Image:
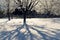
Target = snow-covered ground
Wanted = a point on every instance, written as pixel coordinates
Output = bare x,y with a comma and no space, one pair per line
36,29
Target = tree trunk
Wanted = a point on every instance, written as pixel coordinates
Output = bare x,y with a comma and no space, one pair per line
24,21
8,15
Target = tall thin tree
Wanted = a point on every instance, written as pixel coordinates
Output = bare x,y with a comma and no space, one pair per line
8,8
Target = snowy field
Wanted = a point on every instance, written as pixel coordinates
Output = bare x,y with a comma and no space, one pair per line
36,29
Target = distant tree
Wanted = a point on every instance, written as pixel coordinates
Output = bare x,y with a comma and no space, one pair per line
8,9
50,7
26,6
1,12
47,6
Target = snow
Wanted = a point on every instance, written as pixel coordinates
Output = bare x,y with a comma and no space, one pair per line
36,29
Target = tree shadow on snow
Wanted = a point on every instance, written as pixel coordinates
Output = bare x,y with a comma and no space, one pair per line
28,35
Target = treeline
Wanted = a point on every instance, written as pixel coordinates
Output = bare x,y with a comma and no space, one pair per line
32,14
28,9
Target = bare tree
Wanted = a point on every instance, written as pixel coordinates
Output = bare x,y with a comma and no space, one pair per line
8,9
26,6
47,6
50,6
